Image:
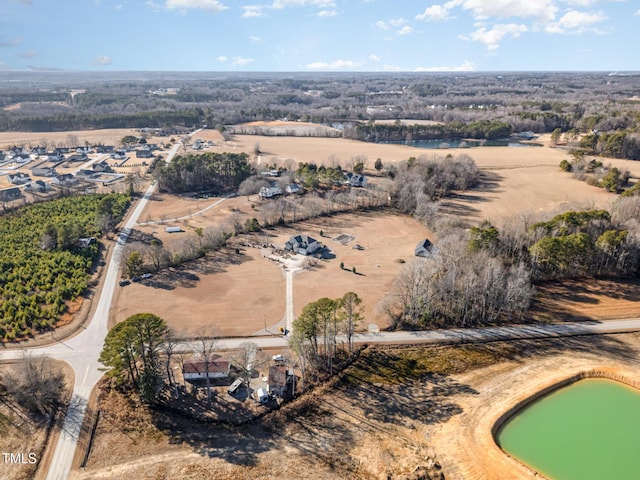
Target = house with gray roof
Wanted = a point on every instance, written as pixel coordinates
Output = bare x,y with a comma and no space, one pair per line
302,244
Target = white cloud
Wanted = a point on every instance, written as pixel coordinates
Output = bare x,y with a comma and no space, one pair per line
492,38
102,61
381,25
374,58
4,67
435,13
406,30
209,5
119,7
240,61
255,40
251,11
574,22
465,67
29,54
280,4
337,65
637,14
397,22
581,3
222,58
544,10
327,13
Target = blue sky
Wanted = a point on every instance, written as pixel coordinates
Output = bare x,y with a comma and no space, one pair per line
320,35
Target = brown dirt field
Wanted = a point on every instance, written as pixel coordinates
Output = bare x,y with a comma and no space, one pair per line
385,237
107,136
586,299
232,294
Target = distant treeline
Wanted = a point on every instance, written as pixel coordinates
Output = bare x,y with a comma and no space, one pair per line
216,172
63,122
377,132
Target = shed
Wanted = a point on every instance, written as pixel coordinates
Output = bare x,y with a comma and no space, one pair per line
424,248
172,229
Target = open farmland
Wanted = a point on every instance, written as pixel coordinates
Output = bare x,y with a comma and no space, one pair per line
386,238
230,293
516,179
237,293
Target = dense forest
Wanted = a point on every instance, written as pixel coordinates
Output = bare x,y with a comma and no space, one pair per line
604,107
42,264
212,172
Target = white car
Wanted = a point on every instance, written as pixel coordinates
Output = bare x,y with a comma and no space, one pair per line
279,358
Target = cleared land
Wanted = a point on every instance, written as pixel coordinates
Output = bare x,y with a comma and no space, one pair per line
230,294
237,293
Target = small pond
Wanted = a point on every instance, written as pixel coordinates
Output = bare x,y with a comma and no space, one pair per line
587,430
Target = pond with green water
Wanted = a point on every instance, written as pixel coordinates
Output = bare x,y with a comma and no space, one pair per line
587,430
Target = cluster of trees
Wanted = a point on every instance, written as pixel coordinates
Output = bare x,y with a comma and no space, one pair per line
595,173
315,332
399,132
36,385
459,286
131,351
141,258
421,181
205,172
41,265
485,275
583,243
616,144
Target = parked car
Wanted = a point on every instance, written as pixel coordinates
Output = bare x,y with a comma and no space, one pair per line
124,282
144,276
279,358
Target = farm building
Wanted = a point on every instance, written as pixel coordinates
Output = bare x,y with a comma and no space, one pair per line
424,248
172,229
302,244
198,370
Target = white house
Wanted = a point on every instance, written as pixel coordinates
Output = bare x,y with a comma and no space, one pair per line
269,192
355,180
198,370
